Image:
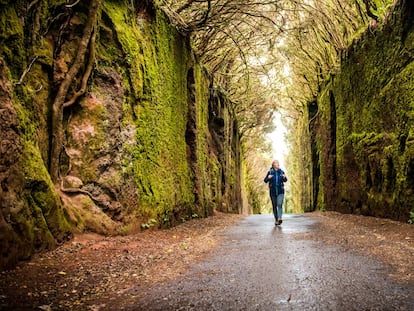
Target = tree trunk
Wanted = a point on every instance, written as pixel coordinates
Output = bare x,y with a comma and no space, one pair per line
59,102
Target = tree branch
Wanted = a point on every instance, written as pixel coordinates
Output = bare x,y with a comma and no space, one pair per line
26,71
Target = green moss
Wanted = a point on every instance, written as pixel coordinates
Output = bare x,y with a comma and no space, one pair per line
11,40
156,58
10,24
130,38
40,218
366,126
42,193
380,7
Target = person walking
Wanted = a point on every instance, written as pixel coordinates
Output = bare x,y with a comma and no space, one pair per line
276,178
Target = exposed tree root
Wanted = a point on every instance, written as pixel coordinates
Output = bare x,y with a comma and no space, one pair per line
78,191
88,39
87,73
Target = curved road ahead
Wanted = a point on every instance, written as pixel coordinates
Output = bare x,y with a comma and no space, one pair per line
263,267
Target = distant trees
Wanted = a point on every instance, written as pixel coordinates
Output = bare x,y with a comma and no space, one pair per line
318,33
272,54
241,41
233,38
247,45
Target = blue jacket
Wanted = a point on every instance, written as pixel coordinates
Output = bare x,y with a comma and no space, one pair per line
276,183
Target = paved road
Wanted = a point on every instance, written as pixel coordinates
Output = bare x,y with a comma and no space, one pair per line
263,267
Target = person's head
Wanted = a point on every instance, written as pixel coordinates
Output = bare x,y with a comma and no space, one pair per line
275,164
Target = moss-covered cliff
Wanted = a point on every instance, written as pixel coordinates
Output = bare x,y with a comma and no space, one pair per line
151,142
362,124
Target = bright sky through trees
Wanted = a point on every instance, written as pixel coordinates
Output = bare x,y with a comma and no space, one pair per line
277,138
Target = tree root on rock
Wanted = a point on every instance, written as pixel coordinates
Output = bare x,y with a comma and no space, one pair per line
78,191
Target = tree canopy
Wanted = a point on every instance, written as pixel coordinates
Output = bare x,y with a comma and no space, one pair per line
270,55
267,51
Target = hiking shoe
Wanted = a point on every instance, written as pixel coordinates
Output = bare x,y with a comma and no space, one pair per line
276,222
280,221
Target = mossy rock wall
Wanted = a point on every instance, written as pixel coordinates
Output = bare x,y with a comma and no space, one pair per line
150,140
364,130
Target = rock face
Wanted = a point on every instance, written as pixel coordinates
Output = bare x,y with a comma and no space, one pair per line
152,140
362,128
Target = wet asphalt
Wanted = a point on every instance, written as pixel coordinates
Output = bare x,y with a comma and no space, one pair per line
263,267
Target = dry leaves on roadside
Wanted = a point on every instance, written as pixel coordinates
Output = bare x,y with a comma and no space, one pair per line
390,241
91,266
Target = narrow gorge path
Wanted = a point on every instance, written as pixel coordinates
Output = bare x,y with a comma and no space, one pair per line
262,267
315,261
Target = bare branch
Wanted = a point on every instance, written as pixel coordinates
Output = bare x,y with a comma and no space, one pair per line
73,4
26,71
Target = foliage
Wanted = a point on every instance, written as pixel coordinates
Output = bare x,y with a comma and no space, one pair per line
318,38
246,45
411,218
270,55
318,35
232,38
151,222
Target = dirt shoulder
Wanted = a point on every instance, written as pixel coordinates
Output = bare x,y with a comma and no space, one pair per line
91,269
389,241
